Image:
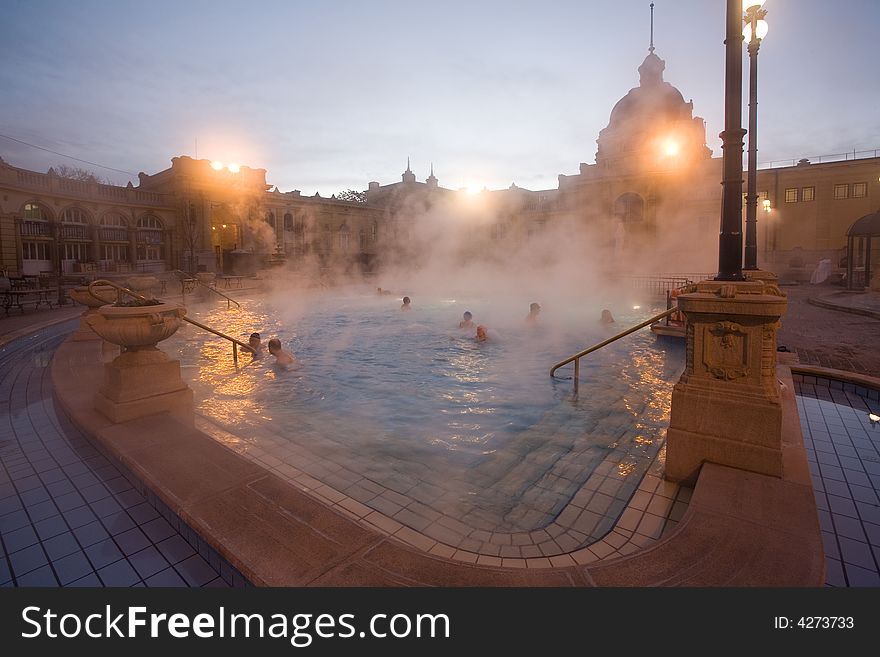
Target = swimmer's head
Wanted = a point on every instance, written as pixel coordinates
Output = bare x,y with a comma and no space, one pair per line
534,308
482,336
467,314
406,301
274,345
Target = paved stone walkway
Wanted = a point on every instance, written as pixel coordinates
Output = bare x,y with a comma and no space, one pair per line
829,338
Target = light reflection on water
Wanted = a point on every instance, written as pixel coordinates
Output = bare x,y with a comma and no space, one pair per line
412,402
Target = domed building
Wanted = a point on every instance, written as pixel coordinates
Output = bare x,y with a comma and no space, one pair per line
654,178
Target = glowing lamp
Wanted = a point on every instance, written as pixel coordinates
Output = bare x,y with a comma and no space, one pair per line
216,165
766,204
752,4
760,30
233,167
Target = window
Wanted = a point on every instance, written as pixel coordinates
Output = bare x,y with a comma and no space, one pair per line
35,250
860,190
629,208
841,191
75,251
150,238
115,252
73,227
114,228
113,219
374,232
288,221
270,218
73,216
808,194
362,240
791,195
344,238
33,211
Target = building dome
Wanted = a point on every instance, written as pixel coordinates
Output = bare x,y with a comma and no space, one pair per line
649,122
652,100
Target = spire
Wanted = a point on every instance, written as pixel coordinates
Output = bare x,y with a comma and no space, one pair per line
432,180
408,176
432,169
651,47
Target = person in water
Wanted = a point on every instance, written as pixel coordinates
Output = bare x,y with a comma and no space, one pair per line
606,318
255,346
468,321
482,334
534,309
406,304
281,357
379,290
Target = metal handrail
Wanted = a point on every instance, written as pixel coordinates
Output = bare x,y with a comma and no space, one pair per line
207,287
576,358
235,343
120,290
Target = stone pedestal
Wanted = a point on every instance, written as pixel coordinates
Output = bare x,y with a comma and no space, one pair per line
760,275
143,382
726,407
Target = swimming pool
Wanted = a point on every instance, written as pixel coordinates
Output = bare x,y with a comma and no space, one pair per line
410,415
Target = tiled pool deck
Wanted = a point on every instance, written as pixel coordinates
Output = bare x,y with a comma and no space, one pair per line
843,449
69,517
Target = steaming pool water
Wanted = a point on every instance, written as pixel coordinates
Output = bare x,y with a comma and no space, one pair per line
410,415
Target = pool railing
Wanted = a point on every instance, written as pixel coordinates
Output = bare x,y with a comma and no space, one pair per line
576,358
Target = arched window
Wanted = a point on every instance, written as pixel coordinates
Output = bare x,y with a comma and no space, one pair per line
35,252
629,208
114,237
344,238
362,240
73,227
34,212
288,221
150,238
74,215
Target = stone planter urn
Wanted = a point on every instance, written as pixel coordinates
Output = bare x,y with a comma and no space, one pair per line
81,295
143,285
142,380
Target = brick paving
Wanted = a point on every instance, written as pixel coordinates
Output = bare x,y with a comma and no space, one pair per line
826,337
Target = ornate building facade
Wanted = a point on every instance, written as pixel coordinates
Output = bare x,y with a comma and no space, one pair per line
650,203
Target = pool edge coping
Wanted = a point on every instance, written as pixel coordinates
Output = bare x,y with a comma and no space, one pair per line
579,567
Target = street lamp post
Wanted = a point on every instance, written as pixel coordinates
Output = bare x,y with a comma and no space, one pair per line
754,31
730,242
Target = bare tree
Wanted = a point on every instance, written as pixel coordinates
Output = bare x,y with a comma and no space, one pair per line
352,195
191,236
77,173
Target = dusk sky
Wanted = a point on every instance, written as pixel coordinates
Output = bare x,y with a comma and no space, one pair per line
330,95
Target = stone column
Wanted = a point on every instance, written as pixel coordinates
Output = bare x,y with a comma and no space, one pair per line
726,408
